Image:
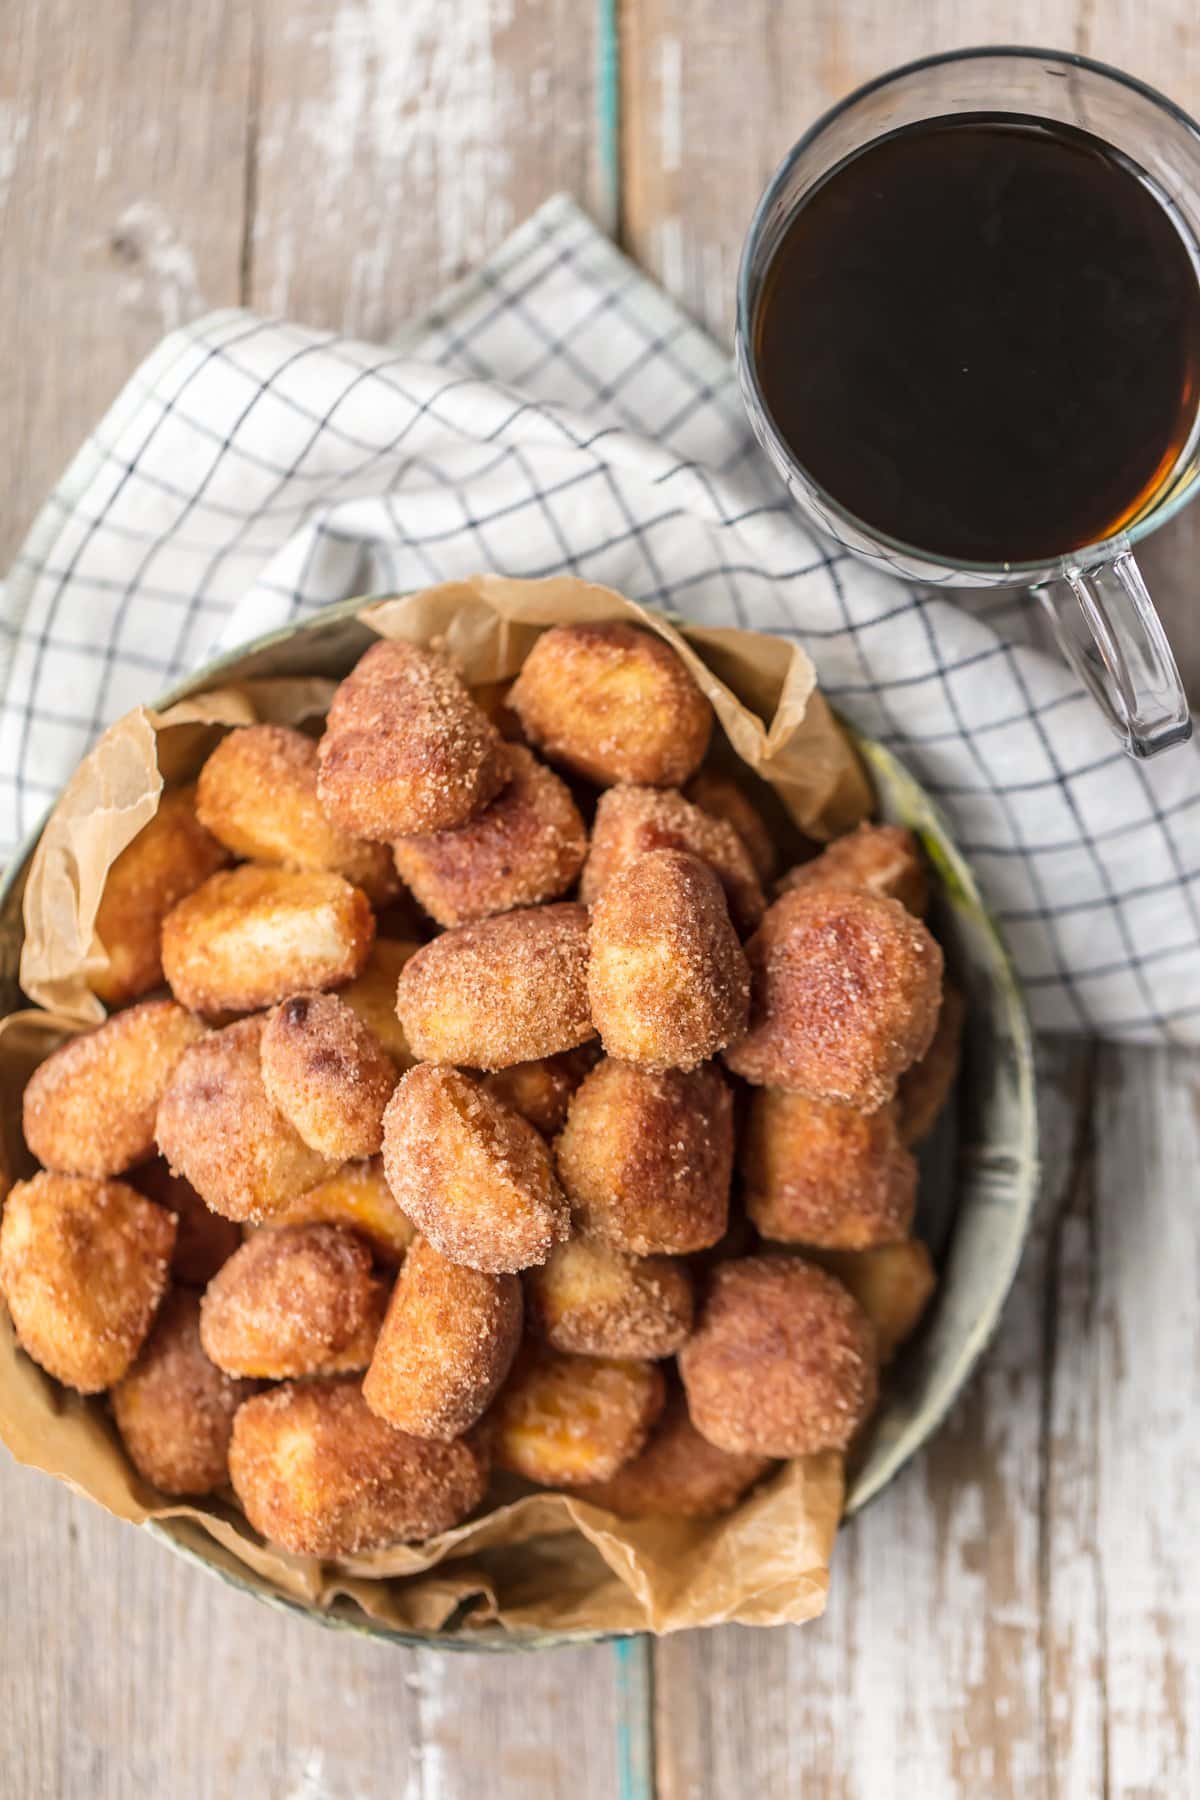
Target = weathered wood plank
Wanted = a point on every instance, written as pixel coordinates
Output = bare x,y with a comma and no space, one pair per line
928,1660
396,146
122,158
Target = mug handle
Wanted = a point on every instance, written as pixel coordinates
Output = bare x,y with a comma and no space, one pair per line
1107,628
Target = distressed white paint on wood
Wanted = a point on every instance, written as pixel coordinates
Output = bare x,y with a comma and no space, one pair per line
397,145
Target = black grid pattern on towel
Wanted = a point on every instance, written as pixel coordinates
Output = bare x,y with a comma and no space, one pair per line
557,412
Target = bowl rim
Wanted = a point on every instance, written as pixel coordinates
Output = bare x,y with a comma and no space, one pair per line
1026,1180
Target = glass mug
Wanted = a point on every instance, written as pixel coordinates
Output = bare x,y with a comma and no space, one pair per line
1095,598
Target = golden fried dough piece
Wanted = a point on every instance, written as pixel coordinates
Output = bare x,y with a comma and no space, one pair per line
632,820
372,995
89,1108
508,990
170,856
893,1285
612,703
816,1172
471,1174
925,1088
724,798
83,1265
527,845
319,1474
541,1090
447,1343
592,1300
491,697
782,1362
203,1239
252,935
358,1197
174,1409
295,1300
645,1158
257,793
328,1075
880,859
668,984
405,748
562,1420
679,1474
846,990
218,1128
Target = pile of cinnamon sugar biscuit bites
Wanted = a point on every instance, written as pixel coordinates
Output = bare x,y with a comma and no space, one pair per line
490,1118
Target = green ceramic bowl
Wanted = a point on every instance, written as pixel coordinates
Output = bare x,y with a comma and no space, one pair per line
979,1171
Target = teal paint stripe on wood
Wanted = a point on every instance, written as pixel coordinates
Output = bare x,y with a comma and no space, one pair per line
634,1669
608,113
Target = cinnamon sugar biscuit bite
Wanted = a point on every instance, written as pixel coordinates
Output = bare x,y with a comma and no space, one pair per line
328,1075
632,820
203,1239
174,1409
218,1127
679,1474
527,845
667,981
892,1284
925,1088
596,1301
89,1108
252,935
846,990
372,995
447,1343
83,1266
562,1420
257,794
358,1197
508,990
472,1175
405,748
294,1300
782,1362
724,798
645,1158
170,856
612,703
816,1172
880,859
541,1090
318,1473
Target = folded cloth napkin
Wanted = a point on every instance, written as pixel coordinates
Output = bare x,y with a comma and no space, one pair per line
557,412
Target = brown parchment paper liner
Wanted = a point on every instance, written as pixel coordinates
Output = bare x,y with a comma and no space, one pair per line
533,1563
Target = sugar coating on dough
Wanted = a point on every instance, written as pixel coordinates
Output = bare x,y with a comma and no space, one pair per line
783,1361
447,1343
257,794
819,1173
561,1420
294,1300
89,1109
668,984
726,799
612,703
83,1266
592,1300
473,1176
508,990
318,1473
679,1474
881,859
632,820
405,747
328,1075
174,1409
527,845
925,1088
846,991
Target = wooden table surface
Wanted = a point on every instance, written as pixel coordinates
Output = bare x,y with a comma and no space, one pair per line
1018,1614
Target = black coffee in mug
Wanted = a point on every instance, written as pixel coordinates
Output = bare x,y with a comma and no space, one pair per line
981,335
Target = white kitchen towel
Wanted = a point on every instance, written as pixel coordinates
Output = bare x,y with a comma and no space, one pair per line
558,412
